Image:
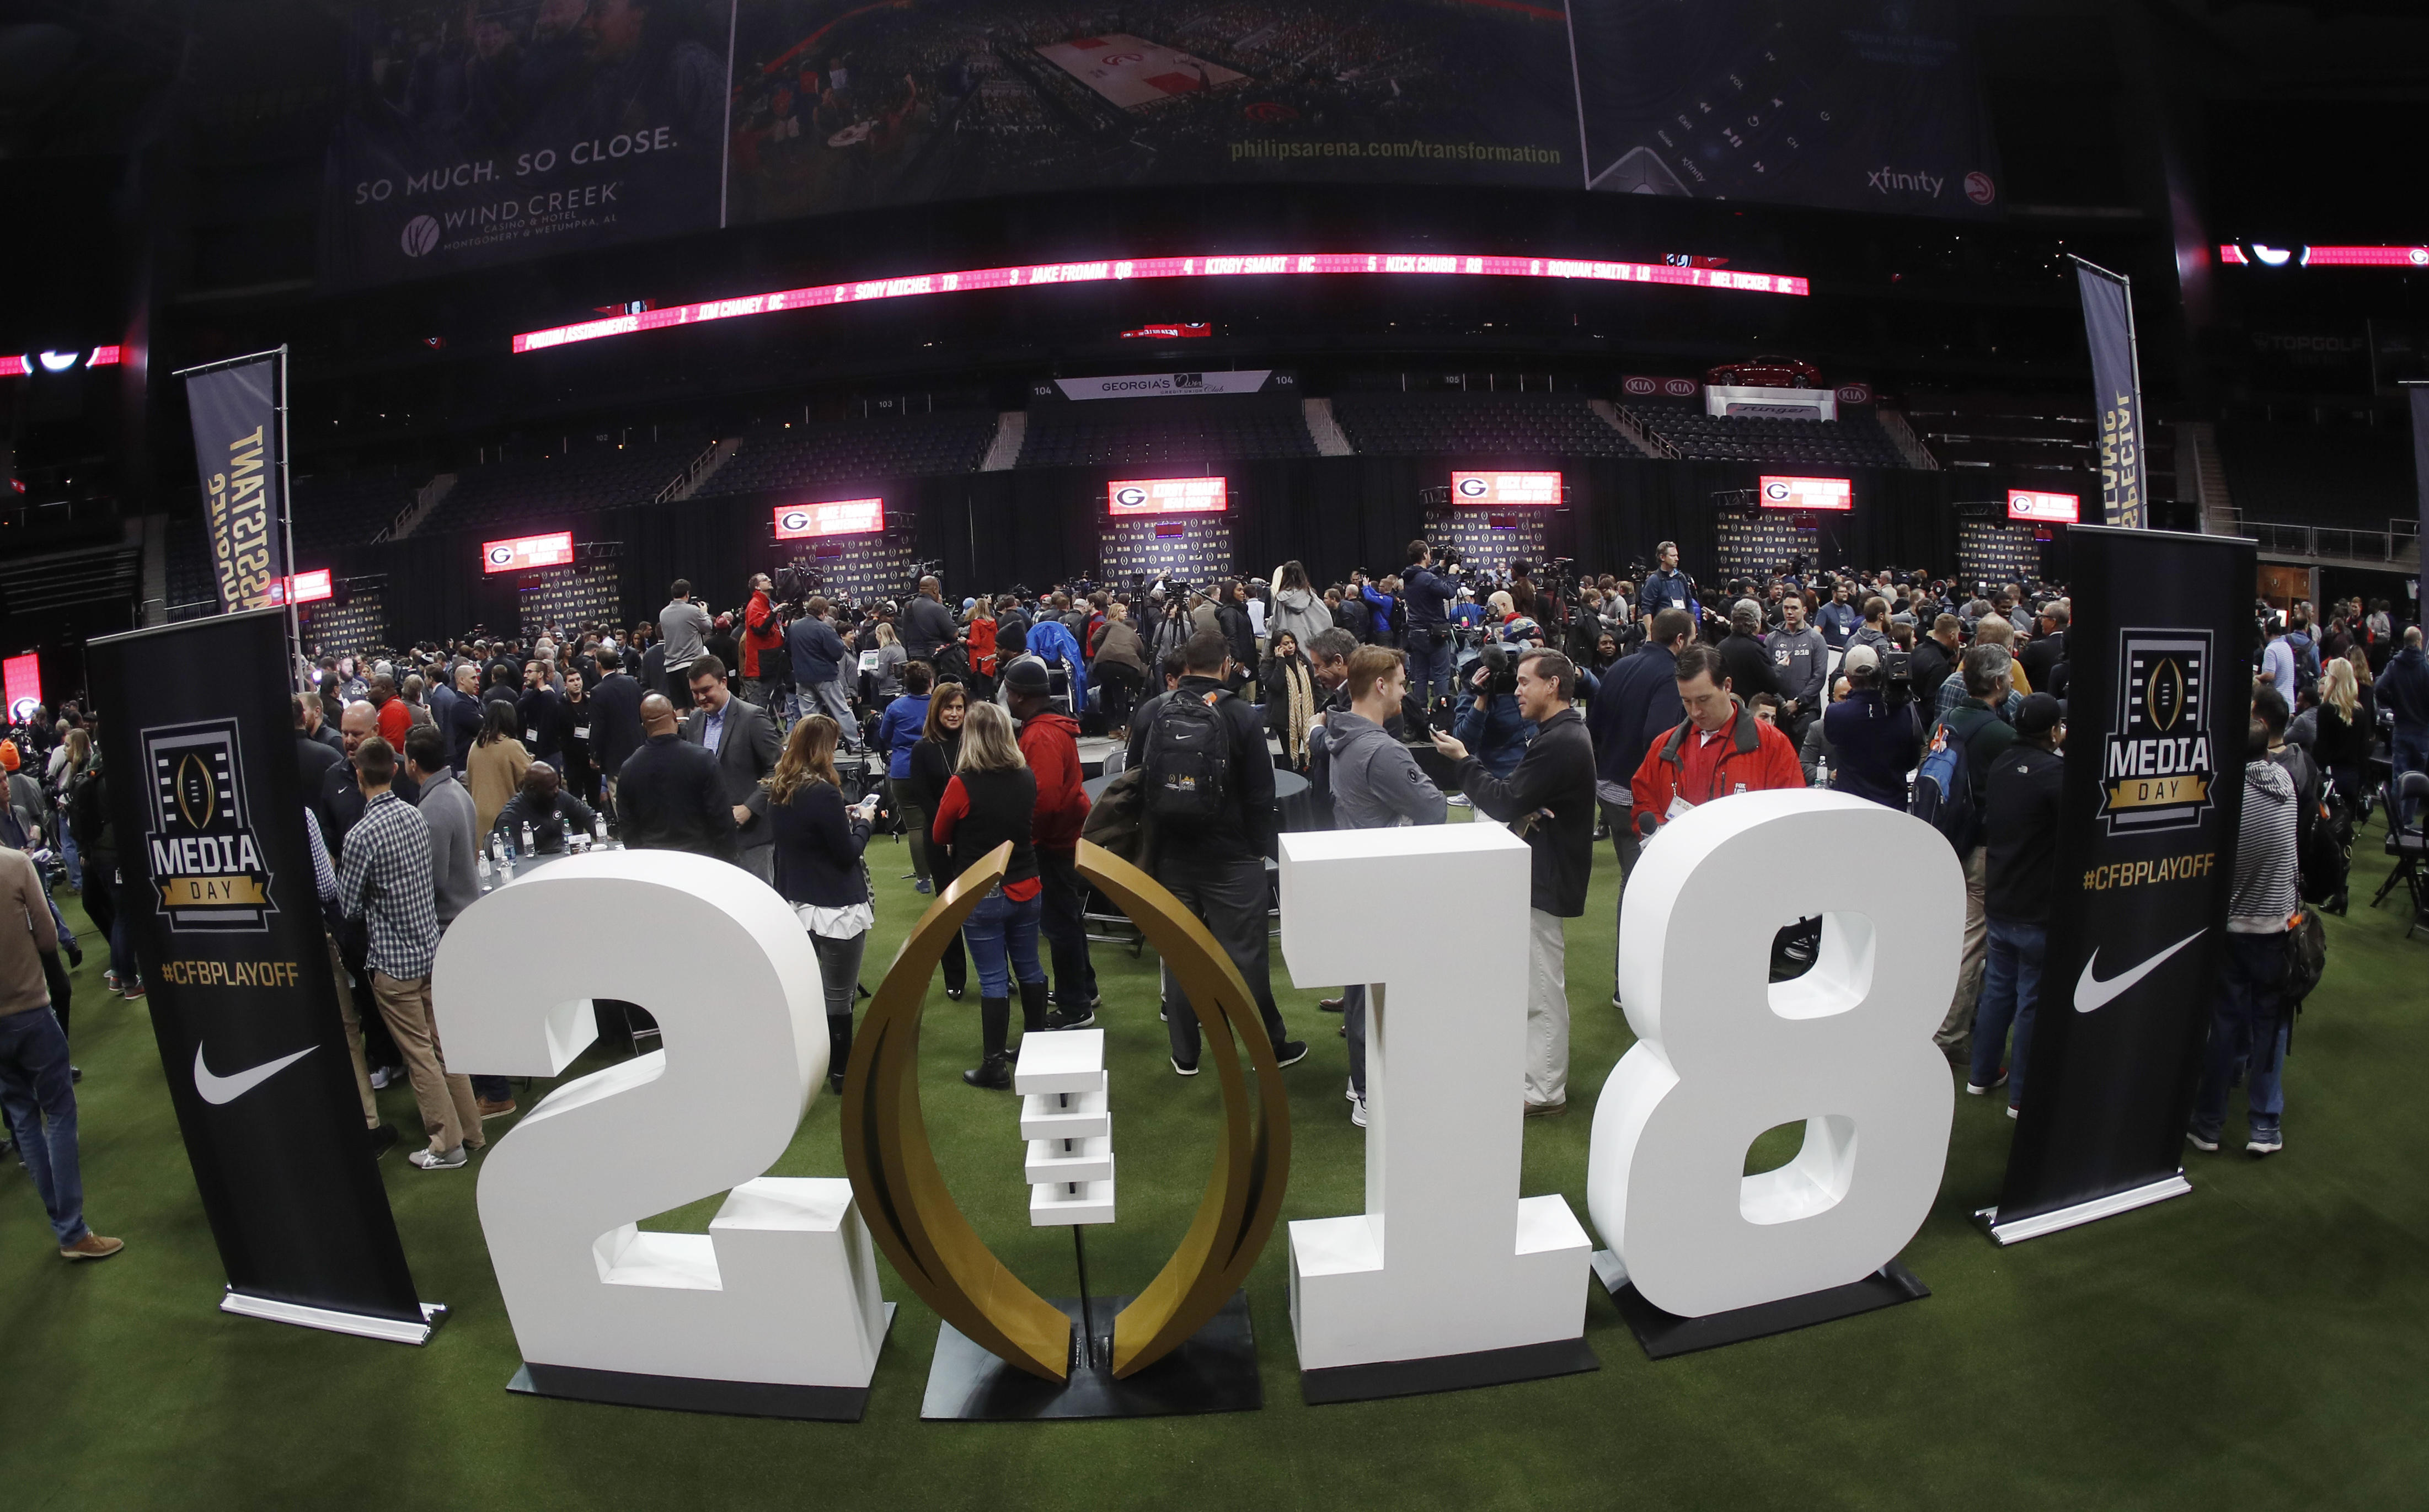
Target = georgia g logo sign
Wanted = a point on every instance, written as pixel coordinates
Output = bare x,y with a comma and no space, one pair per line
1130,496
794,521
1472,487
1775,490
502,553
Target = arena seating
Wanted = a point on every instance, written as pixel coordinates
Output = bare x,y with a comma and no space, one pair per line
516,493
2348,477
191,592
1182,433
1998,430
818,456
331,510
1854,440
1478,424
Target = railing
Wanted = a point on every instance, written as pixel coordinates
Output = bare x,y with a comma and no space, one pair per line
1654,438
2394,544
691,469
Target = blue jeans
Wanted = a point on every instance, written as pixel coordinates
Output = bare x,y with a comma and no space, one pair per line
2248,1025
2012,989
1429,655
76,862
997,928
1353,1023
1065,897
40,1100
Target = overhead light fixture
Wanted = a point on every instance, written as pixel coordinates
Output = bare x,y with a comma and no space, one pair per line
2271,256
58,361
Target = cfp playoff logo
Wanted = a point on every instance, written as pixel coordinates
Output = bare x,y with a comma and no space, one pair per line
204,858
2158,769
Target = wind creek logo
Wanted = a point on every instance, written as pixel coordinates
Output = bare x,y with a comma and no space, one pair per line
1887,180
2158,769
204,859
420,236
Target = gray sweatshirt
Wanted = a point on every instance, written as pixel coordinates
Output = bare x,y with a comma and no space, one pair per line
1375,783
1800,665
683,625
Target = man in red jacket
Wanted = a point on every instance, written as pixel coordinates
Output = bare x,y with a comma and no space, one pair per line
1049,742
1718,749
762,630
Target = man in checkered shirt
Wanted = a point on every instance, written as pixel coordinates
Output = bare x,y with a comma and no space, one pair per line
385,878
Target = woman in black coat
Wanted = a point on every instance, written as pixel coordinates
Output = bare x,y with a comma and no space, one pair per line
819,841
931,768
1286,682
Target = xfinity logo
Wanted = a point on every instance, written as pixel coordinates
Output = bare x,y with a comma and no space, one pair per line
1886,179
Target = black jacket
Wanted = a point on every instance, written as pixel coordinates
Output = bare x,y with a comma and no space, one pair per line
1002,806
1427,597
616,720
1247,829
1638,704
548,821
1747,666
1557,773
926,624
341,802
672,797
314,760
1239,633
2020,828
818,848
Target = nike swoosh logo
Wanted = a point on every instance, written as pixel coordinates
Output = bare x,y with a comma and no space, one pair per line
228,1089
2092,994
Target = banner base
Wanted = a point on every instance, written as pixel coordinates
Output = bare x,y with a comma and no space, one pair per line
1446,1372
683,1394
1213,1370
1664,1334
389,1330
2082,1213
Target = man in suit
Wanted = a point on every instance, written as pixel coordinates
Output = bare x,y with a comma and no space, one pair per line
615,717
2047,649
743,739
314,760
671,795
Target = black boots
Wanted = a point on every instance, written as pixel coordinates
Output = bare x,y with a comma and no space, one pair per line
994,1073
1034,997
838,1050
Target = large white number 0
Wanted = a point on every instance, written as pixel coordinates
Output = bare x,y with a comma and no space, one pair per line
782,1288
1723,1054
1468,1265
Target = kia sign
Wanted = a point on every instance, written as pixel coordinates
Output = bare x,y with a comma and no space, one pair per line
527,551
2024,503
1166,496
840,517
304,587
1807,493
1855,393
1506,488
1639,385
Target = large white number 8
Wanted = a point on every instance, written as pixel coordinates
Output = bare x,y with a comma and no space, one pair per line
782,1288
1723,1054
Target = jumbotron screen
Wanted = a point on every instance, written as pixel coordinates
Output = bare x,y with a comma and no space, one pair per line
836,517
309,587
524,552
1505,488
1166,496
1807,493
2044,508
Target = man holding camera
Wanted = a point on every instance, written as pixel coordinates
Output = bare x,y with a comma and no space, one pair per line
819,663
1874,730
1550,801
1427,596
684,629
763,631
927,623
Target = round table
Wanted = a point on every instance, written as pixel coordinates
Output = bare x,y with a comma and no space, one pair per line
522,866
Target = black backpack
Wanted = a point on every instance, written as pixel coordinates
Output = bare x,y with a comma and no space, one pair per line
1188,761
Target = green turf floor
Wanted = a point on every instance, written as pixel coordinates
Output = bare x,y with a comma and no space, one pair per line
2263,1342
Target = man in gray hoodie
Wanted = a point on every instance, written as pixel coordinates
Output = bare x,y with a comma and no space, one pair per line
1377,784
1800,662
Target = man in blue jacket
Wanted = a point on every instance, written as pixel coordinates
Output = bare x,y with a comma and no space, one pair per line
819,658
1638,704
1429,595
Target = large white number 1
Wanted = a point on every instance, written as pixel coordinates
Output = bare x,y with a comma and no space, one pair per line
782,1288
1447,1258
1723,1054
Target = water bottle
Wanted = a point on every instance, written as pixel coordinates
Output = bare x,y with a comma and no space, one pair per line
1821,771
498,847
599,830
527,838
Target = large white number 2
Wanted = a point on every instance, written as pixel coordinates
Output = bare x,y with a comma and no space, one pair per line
782,1288
1723,1054
1466,1264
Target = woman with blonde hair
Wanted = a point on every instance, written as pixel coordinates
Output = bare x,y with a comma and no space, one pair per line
991,802
819,841
2343,742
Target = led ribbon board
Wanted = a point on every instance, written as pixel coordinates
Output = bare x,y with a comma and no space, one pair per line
838,516
304,587
1807,493
527,551
1115,269
2024,503
1505,488
1166,496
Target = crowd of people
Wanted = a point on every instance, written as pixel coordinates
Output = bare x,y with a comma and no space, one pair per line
781,736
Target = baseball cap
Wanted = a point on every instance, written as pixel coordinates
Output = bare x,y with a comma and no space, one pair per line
1858,658
2039,712
1026,676
1520,627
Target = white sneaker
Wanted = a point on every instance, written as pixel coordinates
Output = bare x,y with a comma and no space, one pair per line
433,1161
1350,1092
1358,1110
381,1077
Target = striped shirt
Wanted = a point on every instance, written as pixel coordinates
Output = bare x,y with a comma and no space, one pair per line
384,875
2265,866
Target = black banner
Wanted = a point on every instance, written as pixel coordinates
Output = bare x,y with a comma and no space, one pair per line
237,447
2421,470
217,885
2116,393
2161,697
471,136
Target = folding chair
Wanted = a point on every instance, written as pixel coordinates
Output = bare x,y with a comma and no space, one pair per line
2407,841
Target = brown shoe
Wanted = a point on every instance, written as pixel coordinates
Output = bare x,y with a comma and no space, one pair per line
1547,1109
497,1110
91,1247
